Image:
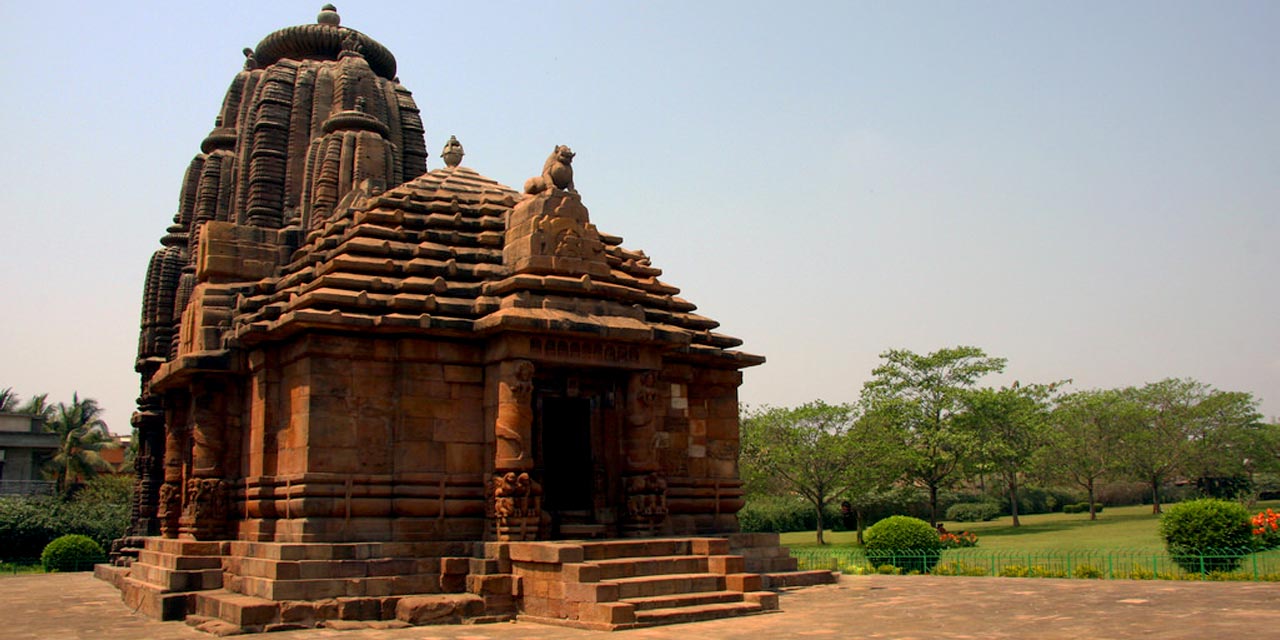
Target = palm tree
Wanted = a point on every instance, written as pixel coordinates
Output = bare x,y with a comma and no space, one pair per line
81,435
8,400
39,405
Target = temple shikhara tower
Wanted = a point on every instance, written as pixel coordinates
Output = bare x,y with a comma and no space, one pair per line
373,391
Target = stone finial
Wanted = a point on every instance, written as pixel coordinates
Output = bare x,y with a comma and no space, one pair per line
329,15
250,63
452,153
557,172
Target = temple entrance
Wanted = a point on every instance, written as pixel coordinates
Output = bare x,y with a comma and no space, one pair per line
575,431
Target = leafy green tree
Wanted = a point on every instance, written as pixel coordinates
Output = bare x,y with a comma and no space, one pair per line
1228,439
806,450
81,435
1011,428
1085,431
921,395
1189,428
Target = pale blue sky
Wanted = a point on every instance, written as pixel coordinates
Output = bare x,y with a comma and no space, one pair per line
1090,189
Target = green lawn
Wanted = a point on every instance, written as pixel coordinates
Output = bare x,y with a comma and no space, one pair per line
1115,528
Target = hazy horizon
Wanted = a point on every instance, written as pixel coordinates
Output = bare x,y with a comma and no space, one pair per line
1091,190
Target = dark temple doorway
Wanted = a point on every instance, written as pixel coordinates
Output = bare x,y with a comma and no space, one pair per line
576,426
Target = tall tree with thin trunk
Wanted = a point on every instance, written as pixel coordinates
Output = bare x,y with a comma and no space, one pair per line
1161,445
1085,430
1010,427
807,450
921,395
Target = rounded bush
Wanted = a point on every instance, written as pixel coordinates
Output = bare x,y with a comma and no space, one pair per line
973,512
1207,535
907,543
72,552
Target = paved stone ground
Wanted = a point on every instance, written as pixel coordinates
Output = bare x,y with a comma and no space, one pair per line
66,606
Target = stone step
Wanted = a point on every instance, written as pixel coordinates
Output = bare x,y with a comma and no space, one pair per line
684,600
236,608
650,565
642,547
612,549
181,563
799,579
155,602
772,565
174,580
319,589
695,613
315,569
669,584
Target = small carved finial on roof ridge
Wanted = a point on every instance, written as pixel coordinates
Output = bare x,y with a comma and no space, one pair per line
250,63
329,15
452,153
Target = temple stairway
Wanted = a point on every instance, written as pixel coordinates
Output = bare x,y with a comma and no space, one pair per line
236,586
621,584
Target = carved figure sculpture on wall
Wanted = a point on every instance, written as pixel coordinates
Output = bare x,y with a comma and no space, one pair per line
515,415
205,511
557,172
515,506
647,496
642,400
169,510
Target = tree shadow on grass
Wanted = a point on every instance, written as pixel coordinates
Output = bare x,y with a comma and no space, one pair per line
1062,525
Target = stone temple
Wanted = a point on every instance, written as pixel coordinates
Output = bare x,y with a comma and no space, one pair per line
376,392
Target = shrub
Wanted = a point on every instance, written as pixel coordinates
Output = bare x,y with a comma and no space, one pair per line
1087,572
961,540
72,552
1207,535
99,511
972,511
1266,529
1081,507
904,542
778,514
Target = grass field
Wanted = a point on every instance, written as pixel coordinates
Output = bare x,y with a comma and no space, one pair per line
1115,528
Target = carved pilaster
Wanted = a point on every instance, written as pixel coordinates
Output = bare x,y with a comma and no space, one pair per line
514,425
169,509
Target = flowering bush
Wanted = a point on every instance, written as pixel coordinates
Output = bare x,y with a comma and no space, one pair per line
958,540
1266,529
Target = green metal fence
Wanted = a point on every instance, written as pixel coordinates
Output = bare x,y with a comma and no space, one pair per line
1105,564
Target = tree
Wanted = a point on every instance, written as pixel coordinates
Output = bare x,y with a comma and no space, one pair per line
921,395
38,405
8,400
880,464
81,435
1189,427
1010,426
1228,440
807,450
1085,431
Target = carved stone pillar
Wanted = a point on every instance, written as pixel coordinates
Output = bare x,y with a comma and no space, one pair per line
149,472
645,488
515,498
169,508
205,502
